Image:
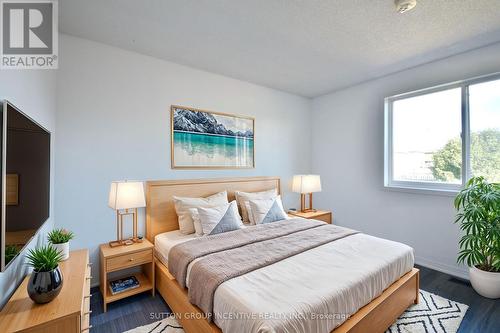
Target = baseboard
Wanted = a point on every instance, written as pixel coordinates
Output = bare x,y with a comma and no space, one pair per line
444,268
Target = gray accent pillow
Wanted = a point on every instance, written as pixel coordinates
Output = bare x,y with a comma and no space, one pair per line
268,210
243,197
183,204
220,219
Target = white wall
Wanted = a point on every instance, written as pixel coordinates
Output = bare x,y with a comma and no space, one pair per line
34,92
113,123
348,151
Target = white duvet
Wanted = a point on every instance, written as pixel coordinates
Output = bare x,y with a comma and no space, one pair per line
314,291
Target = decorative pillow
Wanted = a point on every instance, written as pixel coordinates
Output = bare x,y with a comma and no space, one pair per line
183,204
220,219
267,210
242,197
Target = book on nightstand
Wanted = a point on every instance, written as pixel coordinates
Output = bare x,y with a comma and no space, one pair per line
124,284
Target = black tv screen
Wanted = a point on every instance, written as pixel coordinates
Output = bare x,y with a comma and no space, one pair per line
25,180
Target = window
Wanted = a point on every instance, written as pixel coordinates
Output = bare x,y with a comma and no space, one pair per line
437,138
484,105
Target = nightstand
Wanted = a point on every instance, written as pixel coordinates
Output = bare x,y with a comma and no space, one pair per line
114,259
321,215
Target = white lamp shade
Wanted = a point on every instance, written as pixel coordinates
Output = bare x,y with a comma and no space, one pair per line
306,183
126,195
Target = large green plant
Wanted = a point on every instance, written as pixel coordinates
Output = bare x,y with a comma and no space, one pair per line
478,207
43,259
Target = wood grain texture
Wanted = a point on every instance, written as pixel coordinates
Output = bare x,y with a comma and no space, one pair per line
129,260
63,314
384,310
190,316
122,257
160,210
110,252
321,215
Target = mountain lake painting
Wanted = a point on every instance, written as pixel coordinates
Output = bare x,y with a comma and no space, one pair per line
206,139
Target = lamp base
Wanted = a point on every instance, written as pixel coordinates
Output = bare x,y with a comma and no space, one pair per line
124,242
119,229
303,207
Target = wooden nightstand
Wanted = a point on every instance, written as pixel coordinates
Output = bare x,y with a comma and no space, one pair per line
321,215
118,258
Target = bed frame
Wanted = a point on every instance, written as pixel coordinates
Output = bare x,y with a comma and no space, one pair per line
376,316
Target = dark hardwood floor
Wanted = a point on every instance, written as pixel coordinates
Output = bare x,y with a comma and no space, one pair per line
127,313
483,315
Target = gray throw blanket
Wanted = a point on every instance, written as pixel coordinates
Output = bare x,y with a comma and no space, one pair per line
232,254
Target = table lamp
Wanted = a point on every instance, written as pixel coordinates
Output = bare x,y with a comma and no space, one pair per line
125,197
306,184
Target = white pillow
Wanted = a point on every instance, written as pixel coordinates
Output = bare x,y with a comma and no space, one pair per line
267,210
183,204
220,219
196,221
242,197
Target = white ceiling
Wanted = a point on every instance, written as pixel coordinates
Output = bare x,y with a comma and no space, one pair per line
306,47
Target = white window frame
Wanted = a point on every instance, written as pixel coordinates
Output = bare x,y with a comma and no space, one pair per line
444,188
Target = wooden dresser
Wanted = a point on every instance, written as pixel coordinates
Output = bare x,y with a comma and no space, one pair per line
69,312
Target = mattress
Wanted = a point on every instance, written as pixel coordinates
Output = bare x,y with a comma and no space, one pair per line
314,291
165,241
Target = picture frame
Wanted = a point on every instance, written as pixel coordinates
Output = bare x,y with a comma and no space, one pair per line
202,139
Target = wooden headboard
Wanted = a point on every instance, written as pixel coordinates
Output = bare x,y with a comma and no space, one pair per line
160,210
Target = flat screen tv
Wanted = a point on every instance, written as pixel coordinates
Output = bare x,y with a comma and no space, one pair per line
25,180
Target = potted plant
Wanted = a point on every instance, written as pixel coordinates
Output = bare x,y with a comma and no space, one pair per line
60,238
46,281
478,207
11,251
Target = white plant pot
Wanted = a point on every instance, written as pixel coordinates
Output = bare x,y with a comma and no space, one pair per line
486,284
63,248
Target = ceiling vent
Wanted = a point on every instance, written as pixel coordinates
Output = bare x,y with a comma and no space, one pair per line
402,6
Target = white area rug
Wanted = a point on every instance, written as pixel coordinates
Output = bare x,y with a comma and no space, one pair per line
434,314
167,325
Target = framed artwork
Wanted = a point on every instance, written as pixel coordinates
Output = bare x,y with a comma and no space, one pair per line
211,140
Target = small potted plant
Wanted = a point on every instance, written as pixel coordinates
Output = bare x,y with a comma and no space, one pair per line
60,238
46,281
11,251
478,207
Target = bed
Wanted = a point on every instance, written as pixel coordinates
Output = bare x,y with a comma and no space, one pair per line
374,278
